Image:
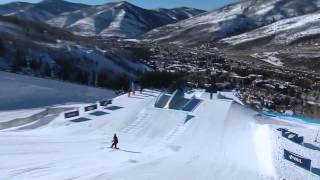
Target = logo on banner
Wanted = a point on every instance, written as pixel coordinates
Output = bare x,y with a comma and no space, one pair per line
71,114
105,102
297,160
292,136
91,108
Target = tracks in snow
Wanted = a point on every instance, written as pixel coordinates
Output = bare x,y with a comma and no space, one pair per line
150,122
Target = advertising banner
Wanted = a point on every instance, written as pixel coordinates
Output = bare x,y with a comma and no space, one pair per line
292,136
297,160
91,108
105,102
71,114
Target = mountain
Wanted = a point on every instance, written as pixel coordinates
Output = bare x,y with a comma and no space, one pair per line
119,19
13,7
180,13
36,48
231,20
283,32
41,11
292,42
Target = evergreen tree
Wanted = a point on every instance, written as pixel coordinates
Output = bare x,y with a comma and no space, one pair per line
19,62
47,70
160,79
35,64
103,79
2,46
80,76
65,68
121,82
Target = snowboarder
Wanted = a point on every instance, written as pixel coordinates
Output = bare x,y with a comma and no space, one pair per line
114,142
211,91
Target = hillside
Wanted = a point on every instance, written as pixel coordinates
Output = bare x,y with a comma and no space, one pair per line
231,20
119,19
36,48
42,11
292,42
13,7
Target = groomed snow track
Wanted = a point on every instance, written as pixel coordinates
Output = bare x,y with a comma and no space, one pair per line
219,139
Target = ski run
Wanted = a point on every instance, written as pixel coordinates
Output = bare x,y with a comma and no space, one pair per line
199,139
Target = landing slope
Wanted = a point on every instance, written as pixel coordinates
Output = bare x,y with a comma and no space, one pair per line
25,92
215,141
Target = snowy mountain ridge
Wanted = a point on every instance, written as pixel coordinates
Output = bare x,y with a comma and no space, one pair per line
284,31
292,42
120,19
42,50
41,11
231,20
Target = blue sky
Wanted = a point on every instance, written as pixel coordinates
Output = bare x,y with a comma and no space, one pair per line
202,4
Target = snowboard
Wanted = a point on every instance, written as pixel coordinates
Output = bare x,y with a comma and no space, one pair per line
118,149
114,148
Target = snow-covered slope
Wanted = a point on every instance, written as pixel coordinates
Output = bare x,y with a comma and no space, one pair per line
218,140
292,42
43,10
180,13
283,32
13,7
32,92
119,19
232,20
60,53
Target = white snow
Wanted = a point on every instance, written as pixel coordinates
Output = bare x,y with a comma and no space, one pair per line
220,139
264,145
286,31
269,57
210,18
264,9
115,19
231,95
14,114
30,92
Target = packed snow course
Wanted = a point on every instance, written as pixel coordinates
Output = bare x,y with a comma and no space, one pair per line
20,92
217,139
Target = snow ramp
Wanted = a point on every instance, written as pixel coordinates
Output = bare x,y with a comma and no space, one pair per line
220,142
219,139
154,123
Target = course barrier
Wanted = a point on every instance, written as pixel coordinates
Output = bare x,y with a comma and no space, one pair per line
292,136
105,102
191,104
175,100
35,117
91,108
296,118
71,114
162,100
297,160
